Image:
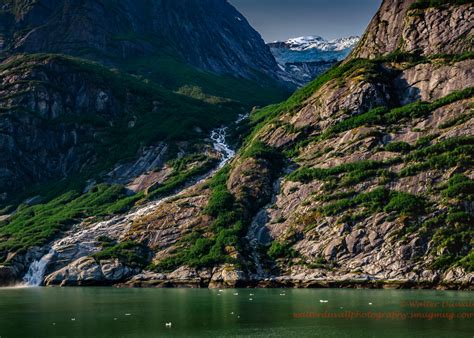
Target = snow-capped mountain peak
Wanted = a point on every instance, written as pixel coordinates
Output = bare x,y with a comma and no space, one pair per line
344,43
305,57
303,43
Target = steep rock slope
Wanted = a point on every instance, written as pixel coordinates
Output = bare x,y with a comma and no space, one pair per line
210,34
193,48
430,28
106,105
362,178
63,117
383,147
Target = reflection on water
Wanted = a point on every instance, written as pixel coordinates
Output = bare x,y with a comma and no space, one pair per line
108,312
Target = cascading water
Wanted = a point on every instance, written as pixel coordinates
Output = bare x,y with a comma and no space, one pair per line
218,137
82,241
35,274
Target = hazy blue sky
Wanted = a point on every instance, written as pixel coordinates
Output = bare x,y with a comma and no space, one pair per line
283,19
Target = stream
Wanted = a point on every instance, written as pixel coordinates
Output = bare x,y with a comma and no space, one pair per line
80,242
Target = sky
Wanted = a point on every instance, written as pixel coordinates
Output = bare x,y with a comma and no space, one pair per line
283,19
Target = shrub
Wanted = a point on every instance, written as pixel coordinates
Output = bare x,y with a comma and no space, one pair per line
36,225
461,187
424,4
260,150
384,116
281,250
129,253
227,228
459,217
404,203
398,147
468,262
306,175
221,200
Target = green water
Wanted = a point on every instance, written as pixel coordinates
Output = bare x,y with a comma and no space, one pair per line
108,312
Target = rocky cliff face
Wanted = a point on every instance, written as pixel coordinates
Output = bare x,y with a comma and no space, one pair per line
374,197
59,114
210,34
63,117
362,178
411,26
377,186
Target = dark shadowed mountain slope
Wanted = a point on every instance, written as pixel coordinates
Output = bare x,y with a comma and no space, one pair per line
59,113
208,34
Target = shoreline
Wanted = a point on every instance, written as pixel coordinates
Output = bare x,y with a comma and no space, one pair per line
354,285
308,284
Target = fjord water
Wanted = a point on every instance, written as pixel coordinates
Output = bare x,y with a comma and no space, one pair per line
109,312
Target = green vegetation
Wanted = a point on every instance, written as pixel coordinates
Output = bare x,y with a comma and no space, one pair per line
369,70
398,147
406,204
378,200
456,151
281,250
460,187
169,71
158,114
35,226
424,4
384,116
306,175
460,119
259,150
202,250
467,262
452,232
320,263
184,169
128,253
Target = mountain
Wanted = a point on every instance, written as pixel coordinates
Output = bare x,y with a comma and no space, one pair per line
362,178
305,43
210,34
309,56
74,78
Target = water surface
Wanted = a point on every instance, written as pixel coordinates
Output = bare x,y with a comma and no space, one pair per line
109,312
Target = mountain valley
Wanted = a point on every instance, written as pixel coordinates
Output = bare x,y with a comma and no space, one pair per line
166,151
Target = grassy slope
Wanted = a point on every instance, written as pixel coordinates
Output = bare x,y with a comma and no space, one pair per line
451,232
229,221
175,121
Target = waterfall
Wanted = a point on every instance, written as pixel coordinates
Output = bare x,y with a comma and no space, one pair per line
218,137
82,240
35,274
